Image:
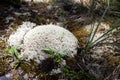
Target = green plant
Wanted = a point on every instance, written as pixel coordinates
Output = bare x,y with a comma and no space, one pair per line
62,35
115,32
89,42
57,56
13,52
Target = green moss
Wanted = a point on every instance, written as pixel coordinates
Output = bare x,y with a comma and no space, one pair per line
81,35
28,67
77,75
32,68
2,44
3,66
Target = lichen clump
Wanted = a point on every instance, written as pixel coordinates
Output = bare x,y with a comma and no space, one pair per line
16,38
49,36
34,40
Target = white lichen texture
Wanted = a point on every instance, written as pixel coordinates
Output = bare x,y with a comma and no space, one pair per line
49,36
33,40
17,37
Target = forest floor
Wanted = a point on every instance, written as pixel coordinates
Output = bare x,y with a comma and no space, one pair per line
89,66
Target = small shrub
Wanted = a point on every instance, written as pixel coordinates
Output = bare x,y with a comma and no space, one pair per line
57,56
13,52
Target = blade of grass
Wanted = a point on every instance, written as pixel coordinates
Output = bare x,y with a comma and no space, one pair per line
89,42
49,50
89,36
109,31
98,25
105,34
94,44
